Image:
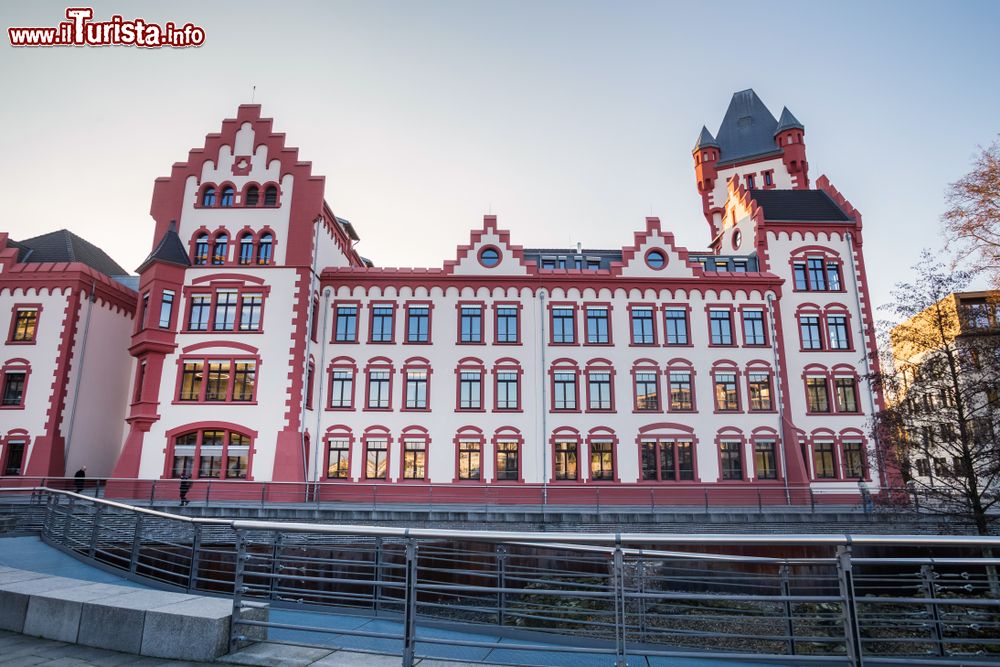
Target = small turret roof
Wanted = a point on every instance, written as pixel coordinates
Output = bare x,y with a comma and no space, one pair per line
170,249
705,139
788,121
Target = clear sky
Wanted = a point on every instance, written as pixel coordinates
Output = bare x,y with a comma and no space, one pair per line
571,121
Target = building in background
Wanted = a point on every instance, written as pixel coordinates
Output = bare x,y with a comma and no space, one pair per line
266,349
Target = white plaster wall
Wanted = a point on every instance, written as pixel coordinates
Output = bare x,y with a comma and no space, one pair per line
782,179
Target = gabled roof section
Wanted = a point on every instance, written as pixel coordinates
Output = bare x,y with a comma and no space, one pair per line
633,262
65,246
467,259
788,122
705,139
747,129
799,206
170,250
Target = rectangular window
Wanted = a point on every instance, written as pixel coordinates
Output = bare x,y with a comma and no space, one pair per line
25,324
565,462
677,326
469,460
339,459
237,456
760,391
346,329
313,321
198,317
764,460
418,324
768,178
721,327
218,381
378,390
739,266
642,326
15,458
310,385
508,327
847,394
342,389
13,388
809,331
923,468
564,394
250,306
139,382
507,461
854,460
225,310
817,395
599,390
799,273
597,326
210,464
192,374
836,329
376,458
471,324
508,395
731,452
824,466
647,395
416,390
833,276
817,276
381,328
602,461
564,325
753,327
681,393
751,181
667,461
144,313
414,458
244,380
166,309
726,396
470,385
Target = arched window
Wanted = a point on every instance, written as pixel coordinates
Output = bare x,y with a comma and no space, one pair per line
246,248
228,196
253,196
211,453
220,251
265,249
271,196
201,249
208,196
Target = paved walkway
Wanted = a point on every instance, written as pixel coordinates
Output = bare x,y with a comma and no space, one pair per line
324,648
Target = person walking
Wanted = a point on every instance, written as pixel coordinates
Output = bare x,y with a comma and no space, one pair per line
80,479
185,487
866,496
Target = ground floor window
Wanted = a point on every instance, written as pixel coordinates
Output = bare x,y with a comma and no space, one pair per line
765,459
824,461
211,454
338,465
470,458
565,460
376,458
13,457
414,458
667,460
508,461
602,460
731,459
854,460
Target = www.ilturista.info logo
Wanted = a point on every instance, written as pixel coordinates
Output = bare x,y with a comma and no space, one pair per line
79,30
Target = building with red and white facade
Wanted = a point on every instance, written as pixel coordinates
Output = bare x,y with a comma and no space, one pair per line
264,348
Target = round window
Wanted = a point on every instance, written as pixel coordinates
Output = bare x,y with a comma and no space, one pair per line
655,259
489,257
737,239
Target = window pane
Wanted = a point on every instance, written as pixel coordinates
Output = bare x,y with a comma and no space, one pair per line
338,461
732,460
507,460
677,329
721,327
823,460
602,465
565,463
765,466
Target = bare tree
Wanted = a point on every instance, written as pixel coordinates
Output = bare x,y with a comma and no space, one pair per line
972,221
942,382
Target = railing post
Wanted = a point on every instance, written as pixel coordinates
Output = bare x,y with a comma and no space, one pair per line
619,589
377,578
706,501
501,555
133,560
409,617
786,592
640,572
852,632
275,565
66,521
195,558
812,501
927,574
241,556
95,530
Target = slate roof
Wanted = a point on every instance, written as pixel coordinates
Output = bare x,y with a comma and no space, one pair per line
747,129
799,205
705,139
170,249
65,246
787,122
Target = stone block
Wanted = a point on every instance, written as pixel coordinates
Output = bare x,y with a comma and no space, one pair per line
254,611
195,629
52,618
15,595
267,654
116,621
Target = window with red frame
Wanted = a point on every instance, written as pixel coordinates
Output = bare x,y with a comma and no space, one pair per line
602,460
25,325
338,462
681,391
218,380
726,394
13,457
731,459
470,324
414,458
211,453
846,392
765,459
564,390
647,390
508,391
599,390
753,327
342,388
642,326
508,461
377,458
470,389
470,459
508,325
13,388
759,384
565,462
667,460
416,380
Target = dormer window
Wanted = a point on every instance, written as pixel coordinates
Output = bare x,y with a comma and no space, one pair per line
271,196
228,196
201,247
253,196
208,197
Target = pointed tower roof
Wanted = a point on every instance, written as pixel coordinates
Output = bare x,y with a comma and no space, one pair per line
788,121
705,139
170,249
747,129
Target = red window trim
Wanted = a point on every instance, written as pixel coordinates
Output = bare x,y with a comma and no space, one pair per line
376,432
341,364
682,365
632,306
212,289
811,310
734,334
16,365
200,427
598,305
599,365
470,433
19,435
482,322
378,364
573,307
566,434
647,366
508,433
470,364
429,305
602,434
828,255
414,432
563,365
687,323
760,366
765,320
339,432
496,316
765,433
726,366
667,431
37,307
357,325
508,365
372,305
729,434
838,440
416,364
763,179
230,385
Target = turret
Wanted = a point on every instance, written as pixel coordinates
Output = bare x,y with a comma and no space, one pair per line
706,155
789,137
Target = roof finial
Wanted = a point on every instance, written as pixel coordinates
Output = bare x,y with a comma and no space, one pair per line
253,93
